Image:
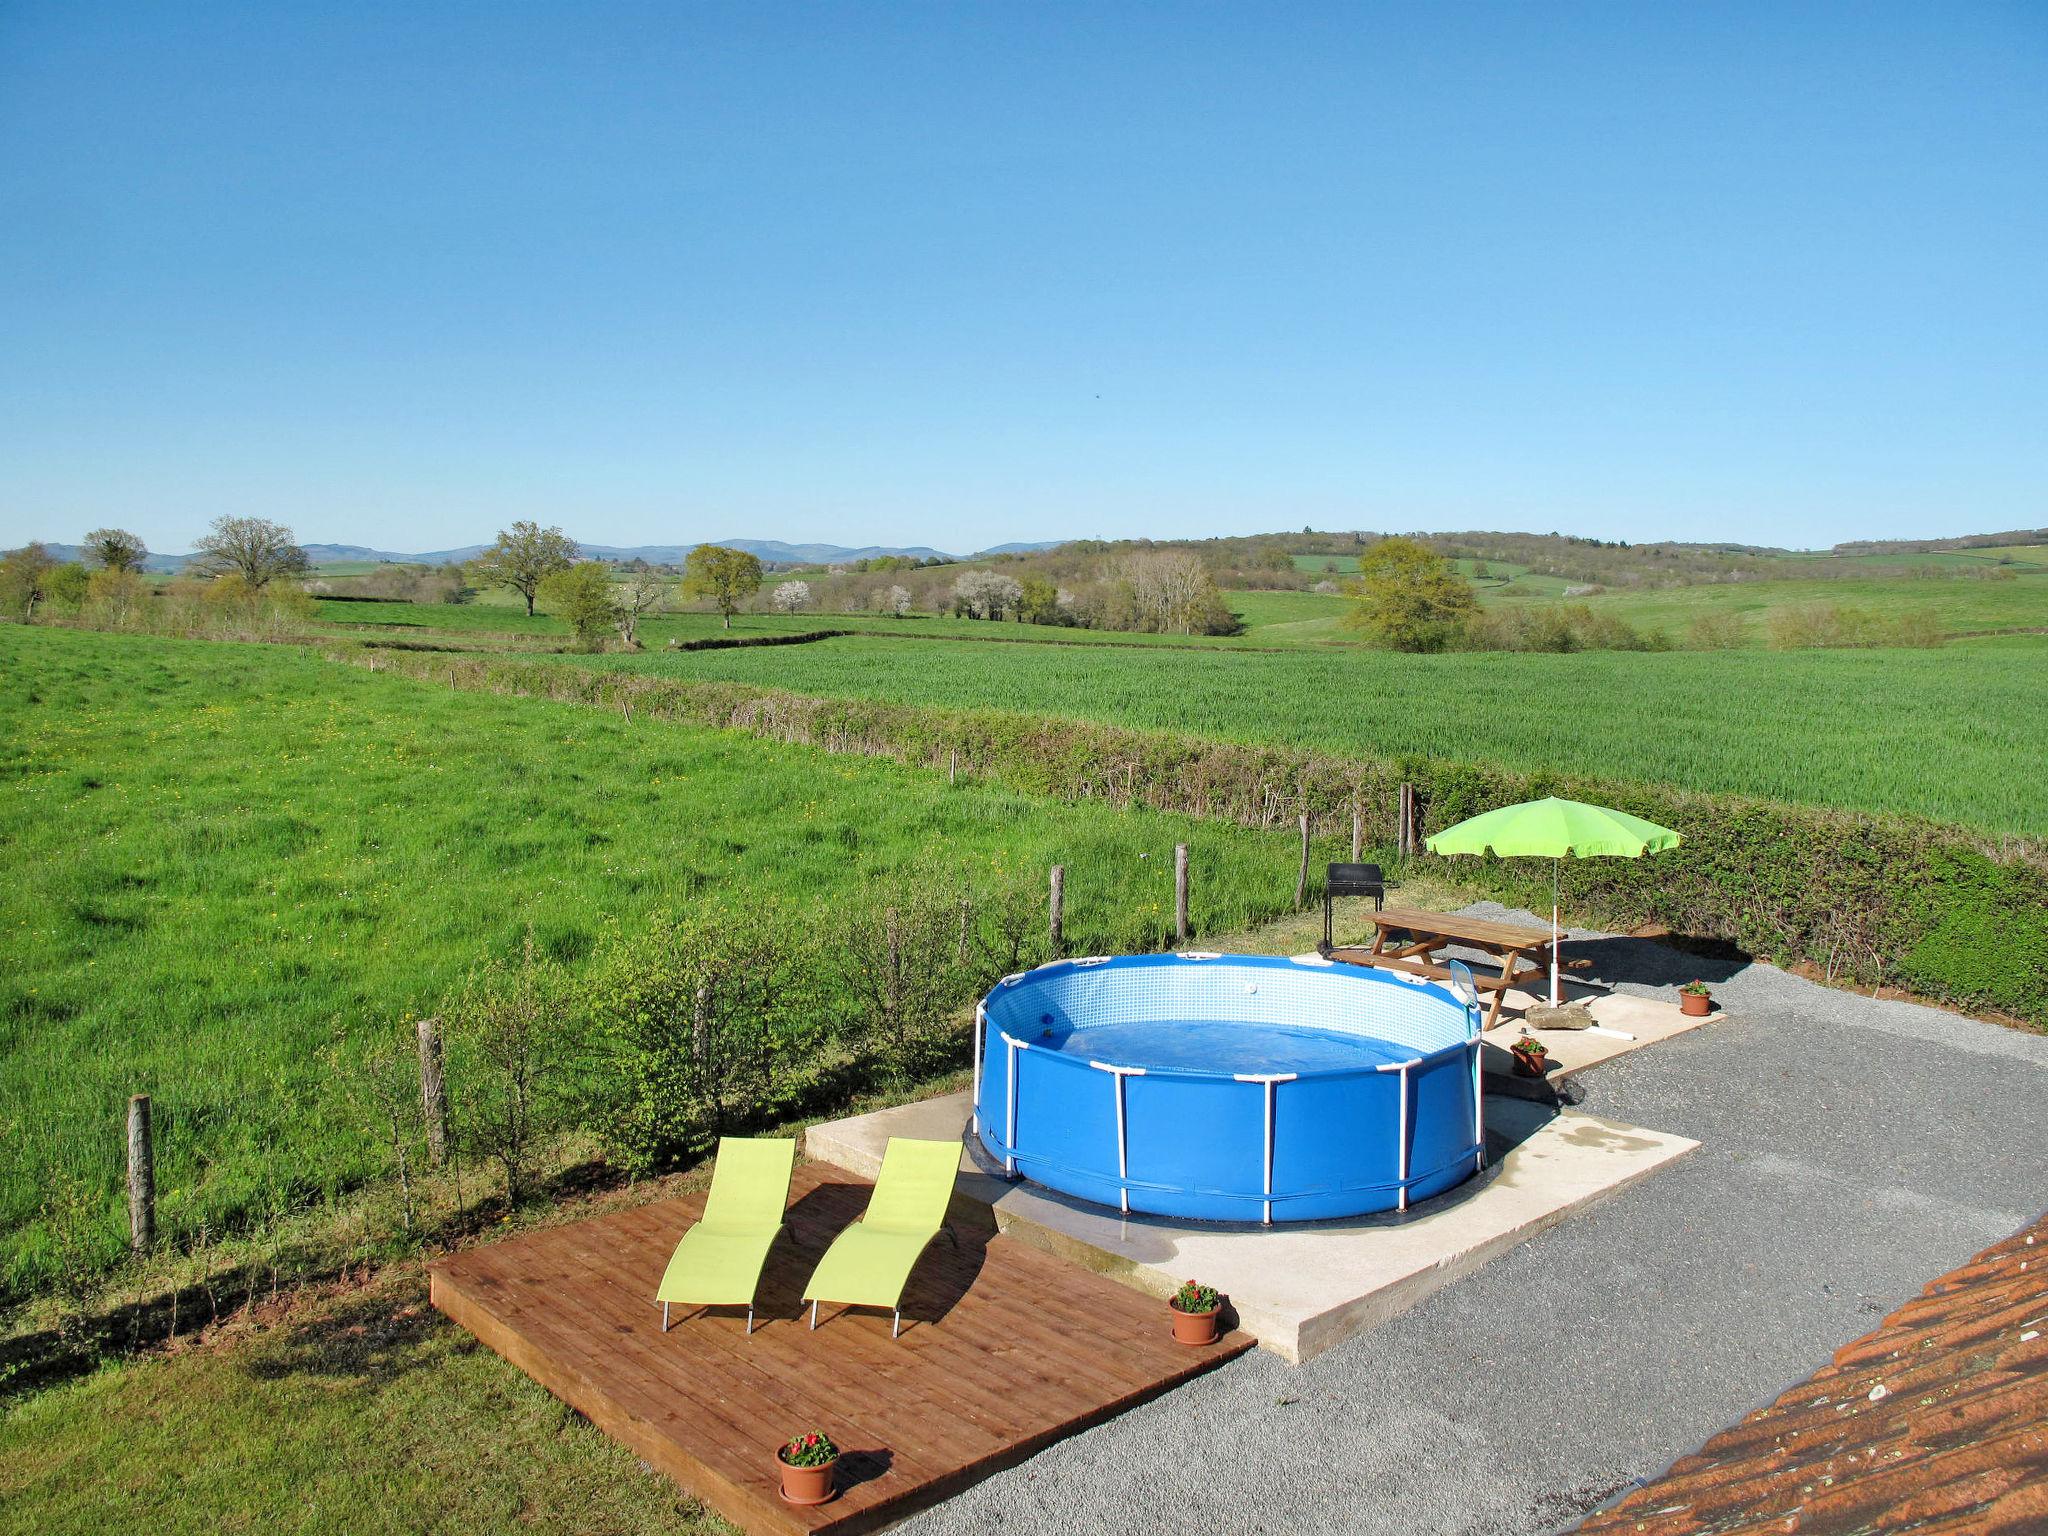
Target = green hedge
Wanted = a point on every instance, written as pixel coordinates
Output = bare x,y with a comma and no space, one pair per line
1881,900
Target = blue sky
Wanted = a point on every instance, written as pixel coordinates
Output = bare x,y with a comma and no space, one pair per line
397,274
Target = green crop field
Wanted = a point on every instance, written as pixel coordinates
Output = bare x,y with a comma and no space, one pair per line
1960,605
215,853
1956,734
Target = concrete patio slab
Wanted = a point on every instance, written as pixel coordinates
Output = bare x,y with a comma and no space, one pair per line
1573,1050
1300,1289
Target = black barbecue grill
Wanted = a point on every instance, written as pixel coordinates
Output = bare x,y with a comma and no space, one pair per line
1352,880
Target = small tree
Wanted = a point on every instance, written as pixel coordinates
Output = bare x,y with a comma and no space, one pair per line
728,577
114,549
581,596
114,595
896,601
1409,597
526,555
25,578
254,548
792,596
704,1018
908,962
381,1079
512,1058
640,596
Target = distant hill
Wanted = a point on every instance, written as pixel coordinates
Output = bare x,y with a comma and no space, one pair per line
772,551
2016,536
779,553
1022,549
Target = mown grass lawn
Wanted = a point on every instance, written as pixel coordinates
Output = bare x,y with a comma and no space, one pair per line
214,855
364,1412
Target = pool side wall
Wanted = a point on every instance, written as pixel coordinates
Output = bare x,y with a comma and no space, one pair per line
1194,1144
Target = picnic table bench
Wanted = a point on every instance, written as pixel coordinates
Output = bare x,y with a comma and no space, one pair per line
1415,938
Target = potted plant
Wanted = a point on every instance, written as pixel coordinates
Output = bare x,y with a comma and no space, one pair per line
806,1464
1694,1000
1531,1056
1197,1311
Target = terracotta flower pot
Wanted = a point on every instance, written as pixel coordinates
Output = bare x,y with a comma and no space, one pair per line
1195,1327
1695,1005
806,1485
1528,1063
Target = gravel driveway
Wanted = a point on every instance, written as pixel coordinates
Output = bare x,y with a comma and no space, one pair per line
1851,1151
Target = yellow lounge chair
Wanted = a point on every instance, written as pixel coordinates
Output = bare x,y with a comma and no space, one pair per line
719,1261
869,1264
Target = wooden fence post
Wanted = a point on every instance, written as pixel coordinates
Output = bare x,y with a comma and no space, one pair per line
141,1177
1058,908
1180,892
1406,840
1301,881
433,1092
1357,831
952,765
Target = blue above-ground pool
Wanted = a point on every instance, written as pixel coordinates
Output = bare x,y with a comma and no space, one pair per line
1230,1087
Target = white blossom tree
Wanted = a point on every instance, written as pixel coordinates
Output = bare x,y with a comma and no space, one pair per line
986,594
791,596
640,596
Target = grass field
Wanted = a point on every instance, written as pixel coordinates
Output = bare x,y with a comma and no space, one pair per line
215,853
1955,734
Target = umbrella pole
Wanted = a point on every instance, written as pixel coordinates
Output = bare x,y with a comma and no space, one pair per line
1554,998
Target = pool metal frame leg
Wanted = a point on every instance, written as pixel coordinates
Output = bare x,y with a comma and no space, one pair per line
1272,1080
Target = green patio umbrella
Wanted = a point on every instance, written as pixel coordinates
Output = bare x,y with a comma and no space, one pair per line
1556,830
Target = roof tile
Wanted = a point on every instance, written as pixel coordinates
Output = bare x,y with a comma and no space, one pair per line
1935,1423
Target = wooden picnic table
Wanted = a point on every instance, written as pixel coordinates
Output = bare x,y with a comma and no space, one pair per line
1415,938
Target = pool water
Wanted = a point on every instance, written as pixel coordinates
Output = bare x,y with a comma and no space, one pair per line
1227,1048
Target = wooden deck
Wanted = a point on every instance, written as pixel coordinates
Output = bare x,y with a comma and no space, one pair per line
1005,1349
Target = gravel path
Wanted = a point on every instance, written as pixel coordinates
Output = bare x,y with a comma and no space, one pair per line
1851,1151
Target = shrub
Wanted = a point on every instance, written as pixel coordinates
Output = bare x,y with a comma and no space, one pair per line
510,1060
705,1022
910,963
1716,630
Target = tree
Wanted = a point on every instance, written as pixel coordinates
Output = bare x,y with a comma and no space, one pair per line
1172,593
526,555
581,596
728,577
1409,597
68,585
986,594
639,596
791,596
1040,601
255,548
114,549
25,578
892,600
